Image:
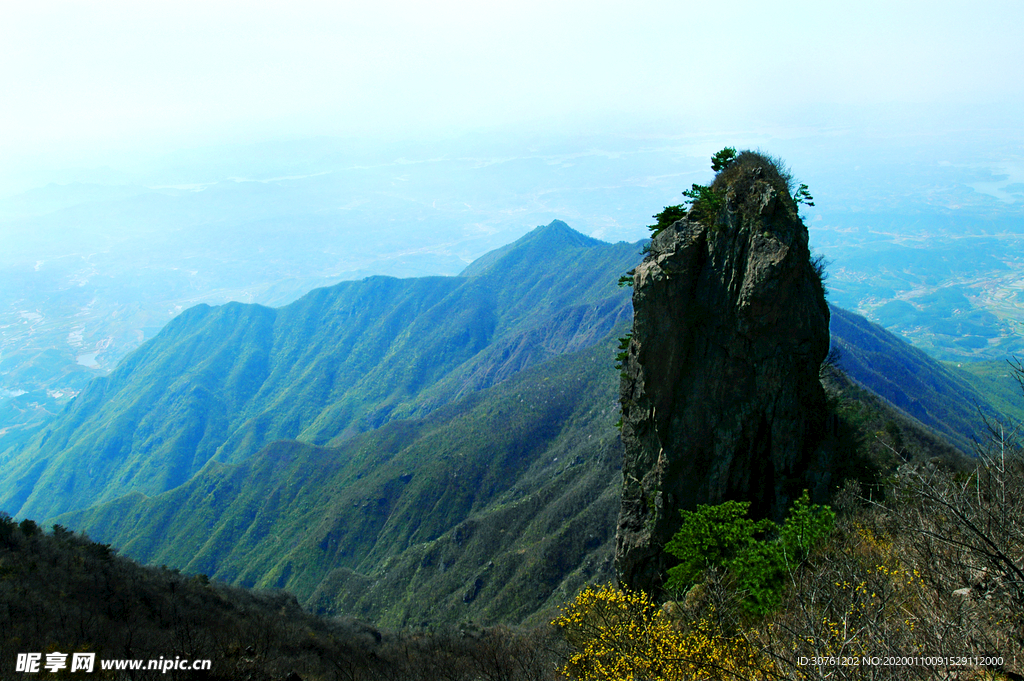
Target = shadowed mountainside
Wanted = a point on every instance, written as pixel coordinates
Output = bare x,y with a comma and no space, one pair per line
498,506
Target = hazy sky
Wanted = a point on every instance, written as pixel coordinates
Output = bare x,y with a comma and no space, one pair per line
83,76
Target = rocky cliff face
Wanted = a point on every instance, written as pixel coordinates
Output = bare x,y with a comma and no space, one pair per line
720,392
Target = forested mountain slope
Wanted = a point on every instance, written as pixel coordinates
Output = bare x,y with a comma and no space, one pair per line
939,395
220,383
495,506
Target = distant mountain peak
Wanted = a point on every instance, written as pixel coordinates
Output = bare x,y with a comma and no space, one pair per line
551,237
555,225
559,230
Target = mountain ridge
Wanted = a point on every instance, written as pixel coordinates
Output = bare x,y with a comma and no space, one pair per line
220,382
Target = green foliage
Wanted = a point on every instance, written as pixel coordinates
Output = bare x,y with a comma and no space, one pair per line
711,536
760,576
667,217
620,356
804,528
627,279
705,203
803,195
756,554
722,159
702,203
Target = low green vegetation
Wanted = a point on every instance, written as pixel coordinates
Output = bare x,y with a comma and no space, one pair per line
757,555
667,217
705,203
722,159
702,202
803,196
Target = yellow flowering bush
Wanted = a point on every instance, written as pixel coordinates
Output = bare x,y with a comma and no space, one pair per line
623,635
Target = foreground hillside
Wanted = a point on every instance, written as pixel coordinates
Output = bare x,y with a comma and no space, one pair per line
869,589
62,593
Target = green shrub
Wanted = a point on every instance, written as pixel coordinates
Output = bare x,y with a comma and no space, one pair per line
620,356
711,536
667,217
803,195
757,555
805,527
705,203
722,159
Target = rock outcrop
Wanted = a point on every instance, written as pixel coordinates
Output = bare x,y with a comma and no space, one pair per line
720,392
